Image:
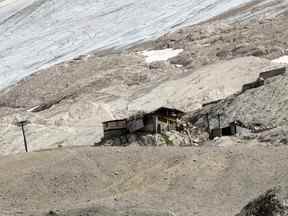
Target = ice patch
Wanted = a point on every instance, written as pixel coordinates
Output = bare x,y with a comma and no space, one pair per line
160,55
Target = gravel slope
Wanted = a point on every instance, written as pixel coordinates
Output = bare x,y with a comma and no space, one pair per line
200,181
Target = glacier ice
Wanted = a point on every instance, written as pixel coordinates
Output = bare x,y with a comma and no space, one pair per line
35,34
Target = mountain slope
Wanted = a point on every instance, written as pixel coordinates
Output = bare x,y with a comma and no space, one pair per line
39,33
81,100
80,94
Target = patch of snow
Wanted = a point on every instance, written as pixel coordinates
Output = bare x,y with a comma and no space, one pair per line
281,60
160,55
33,108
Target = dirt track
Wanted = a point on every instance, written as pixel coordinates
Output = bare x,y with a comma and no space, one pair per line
186,181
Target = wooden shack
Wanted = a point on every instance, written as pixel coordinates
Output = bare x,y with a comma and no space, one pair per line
157,121
161,120
230,130
115,128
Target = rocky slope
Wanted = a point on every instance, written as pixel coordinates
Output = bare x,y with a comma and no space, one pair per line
89,98
262,107
208,43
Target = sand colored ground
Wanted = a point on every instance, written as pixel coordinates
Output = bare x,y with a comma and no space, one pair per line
187,181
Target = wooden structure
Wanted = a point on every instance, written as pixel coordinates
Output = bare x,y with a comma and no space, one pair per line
259,82
162,119
135,122
262,77
157,121
211,102
271,73
230,130
219,131
115,128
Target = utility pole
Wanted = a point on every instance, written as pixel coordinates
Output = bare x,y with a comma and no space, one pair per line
22,124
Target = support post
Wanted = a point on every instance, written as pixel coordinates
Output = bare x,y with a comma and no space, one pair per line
219,124
208,123
156,129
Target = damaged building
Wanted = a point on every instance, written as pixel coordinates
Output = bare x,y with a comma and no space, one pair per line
216,128
228,130
158,121
115,128
161,120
